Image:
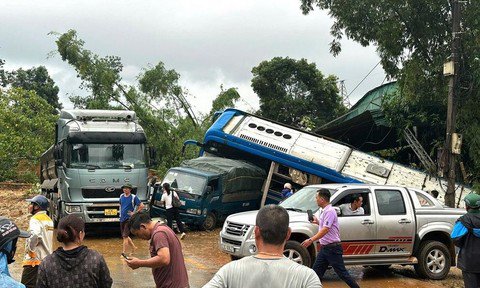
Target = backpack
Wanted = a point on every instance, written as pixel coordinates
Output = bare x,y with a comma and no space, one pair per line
175,201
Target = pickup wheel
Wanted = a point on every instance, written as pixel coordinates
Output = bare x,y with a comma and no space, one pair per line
434,260
210,221
297,253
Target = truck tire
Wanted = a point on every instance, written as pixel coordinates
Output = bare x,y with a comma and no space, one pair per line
297,253
434,260
210,221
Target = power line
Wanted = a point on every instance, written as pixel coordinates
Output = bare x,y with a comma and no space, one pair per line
363,79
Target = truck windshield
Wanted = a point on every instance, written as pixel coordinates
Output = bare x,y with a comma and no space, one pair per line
186,182
303,200
107,156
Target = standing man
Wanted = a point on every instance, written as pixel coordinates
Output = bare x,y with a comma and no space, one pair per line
466,236
331,252
128,202
269,268
39,244
287,190
167,263
354,208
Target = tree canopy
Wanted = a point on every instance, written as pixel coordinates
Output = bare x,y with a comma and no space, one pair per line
296,93
36,79
413,40
27,131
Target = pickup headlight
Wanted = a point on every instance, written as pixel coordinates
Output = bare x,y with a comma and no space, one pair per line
194,211
73,208
252,235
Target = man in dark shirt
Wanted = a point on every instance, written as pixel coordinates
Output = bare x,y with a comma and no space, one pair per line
167,263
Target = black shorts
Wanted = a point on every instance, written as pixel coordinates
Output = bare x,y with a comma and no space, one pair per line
125,229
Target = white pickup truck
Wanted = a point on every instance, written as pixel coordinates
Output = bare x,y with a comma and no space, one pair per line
400,226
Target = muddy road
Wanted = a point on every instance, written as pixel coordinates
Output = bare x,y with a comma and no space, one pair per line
203,259
202,256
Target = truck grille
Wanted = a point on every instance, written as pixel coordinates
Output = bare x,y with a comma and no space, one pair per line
233,242
101,193
236,229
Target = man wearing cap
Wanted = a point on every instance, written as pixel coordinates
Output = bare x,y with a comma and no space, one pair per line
466,236
128,203
39,244
9,234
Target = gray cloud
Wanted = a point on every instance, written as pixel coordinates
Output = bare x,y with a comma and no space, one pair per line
207,42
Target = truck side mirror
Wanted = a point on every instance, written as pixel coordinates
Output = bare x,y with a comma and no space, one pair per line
152,154
208,190
58,152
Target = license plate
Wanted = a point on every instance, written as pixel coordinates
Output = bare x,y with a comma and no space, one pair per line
228,248
183,202
111,212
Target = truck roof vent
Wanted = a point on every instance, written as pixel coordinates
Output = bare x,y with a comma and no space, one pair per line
264,143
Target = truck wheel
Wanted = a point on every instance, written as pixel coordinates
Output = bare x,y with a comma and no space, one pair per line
210,222
297,253
434,260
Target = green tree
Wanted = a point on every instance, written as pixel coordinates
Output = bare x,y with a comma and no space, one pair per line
413,40
158,99
38,80
27,131
295,92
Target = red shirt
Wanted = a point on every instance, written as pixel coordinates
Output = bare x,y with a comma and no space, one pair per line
174,275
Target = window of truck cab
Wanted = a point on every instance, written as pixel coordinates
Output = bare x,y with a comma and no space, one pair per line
346,199
105,156
185,182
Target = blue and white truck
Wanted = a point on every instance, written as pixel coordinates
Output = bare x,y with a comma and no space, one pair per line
287,154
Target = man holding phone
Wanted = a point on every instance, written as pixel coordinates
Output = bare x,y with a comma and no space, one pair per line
329,237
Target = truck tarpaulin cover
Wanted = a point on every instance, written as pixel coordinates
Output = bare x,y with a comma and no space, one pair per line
238,176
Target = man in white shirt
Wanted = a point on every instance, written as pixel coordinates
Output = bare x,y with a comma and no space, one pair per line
269,267
354,208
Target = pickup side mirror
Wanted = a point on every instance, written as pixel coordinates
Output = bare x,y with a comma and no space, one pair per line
337,209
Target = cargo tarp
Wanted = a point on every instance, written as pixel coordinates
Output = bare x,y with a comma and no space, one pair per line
237,176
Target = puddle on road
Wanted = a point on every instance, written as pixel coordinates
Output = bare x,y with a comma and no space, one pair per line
203,259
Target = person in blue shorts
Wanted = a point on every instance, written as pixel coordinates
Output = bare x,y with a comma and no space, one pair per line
129,204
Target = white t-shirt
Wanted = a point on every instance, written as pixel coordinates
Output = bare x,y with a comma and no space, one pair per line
347,210
264,273
167,199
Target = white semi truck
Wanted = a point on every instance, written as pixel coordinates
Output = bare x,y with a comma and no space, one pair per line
94,154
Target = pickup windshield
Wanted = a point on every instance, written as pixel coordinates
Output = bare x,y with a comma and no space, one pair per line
107,156
185,182
303,200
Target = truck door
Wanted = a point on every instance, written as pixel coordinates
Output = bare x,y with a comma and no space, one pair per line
395,223
356,231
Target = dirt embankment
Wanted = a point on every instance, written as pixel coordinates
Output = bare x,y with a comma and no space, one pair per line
13,204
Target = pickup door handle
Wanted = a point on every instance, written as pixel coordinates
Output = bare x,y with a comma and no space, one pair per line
367,222
404,221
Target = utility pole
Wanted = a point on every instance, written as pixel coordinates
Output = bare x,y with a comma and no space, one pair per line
452,104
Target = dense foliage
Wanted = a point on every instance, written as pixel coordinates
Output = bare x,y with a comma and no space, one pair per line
27,130
413,40
296,93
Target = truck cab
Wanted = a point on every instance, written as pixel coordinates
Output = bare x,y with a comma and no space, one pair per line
210,189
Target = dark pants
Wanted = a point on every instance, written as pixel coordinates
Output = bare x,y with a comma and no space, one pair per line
29,276
172,214
332,255
471,280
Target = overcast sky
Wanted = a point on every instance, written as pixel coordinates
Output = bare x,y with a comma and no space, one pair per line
208,42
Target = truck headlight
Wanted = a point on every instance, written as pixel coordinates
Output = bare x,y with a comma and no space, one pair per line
73,208
194,211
